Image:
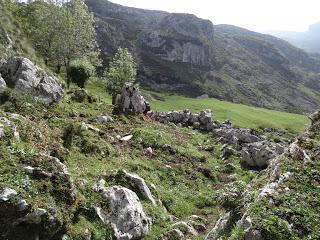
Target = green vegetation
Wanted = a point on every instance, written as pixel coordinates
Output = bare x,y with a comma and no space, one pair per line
122,69
240,115
80,71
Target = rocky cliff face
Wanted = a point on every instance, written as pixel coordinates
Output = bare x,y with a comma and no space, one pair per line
189,55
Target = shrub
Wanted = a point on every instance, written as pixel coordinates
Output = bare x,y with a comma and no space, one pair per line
80,71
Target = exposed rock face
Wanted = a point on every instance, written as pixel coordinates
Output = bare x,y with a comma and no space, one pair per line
130,100
176,50
186,54
259,154
23,75
125,213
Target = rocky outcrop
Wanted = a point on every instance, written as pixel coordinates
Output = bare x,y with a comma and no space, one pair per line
20,220
130,100
124,214
258,154
256,150
135,183
23,75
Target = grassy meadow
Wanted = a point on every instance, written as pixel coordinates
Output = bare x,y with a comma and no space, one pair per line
240,115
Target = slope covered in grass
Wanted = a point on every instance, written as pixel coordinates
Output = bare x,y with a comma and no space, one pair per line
240,115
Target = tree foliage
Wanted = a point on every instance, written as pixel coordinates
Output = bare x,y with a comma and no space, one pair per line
80,71
60,31
122,69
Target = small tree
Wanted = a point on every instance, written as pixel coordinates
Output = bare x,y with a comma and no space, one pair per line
122,69
80,71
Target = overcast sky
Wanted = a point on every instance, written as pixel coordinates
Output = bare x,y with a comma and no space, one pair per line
256,15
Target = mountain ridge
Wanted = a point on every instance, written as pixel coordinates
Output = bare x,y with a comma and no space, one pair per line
184,54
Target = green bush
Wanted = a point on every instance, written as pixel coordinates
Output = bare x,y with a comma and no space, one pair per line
80,71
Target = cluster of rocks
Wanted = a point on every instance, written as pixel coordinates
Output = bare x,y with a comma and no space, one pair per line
192,227
23,75
256,150
130,100
125,214
82,95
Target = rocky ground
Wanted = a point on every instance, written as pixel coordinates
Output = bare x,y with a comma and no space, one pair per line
73,170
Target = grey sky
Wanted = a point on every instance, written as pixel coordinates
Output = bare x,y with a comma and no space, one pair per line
257,15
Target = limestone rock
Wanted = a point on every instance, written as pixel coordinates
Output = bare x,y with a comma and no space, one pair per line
6,194
124,213
136,184
130,100
25,76
259,154
126,138
104,118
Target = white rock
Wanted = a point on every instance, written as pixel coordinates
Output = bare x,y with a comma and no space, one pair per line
22,205
7,194
3,84
138,184
124,213
104,118
149,150
126,138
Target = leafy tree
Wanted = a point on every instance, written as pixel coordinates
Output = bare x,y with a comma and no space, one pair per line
80,71
122,69
61,31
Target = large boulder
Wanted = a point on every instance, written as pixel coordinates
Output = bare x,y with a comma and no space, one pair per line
259,154
130,100
124,213
23,75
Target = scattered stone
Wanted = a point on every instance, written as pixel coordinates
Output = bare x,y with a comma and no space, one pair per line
204,96
28,78
86,126
126,138
221,224
34,217
6,194
104,119
36,133
22,205
124,213
149,151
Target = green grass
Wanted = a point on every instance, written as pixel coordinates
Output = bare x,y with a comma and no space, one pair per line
240,115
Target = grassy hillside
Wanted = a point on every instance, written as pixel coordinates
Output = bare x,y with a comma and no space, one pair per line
240,115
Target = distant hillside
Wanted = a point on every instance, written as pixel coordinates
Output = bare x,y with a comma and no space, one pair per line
189,55
309,41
